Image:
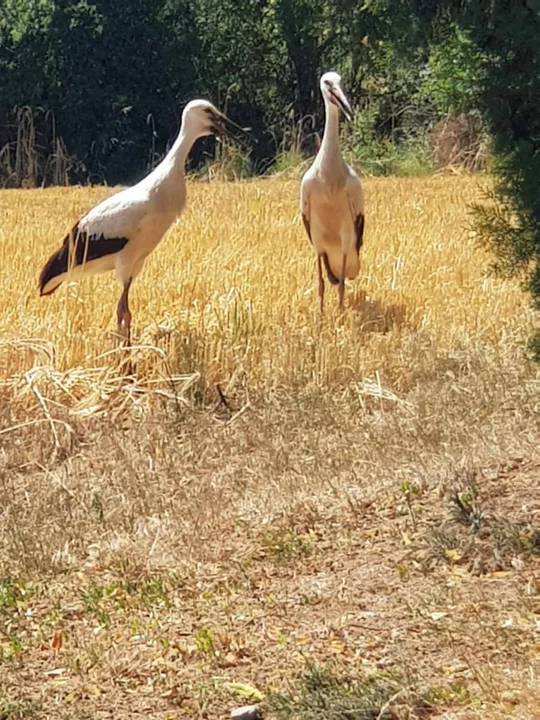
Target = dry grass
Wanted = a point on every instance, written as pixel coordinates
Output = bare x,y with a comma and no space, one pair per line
366,499
237,271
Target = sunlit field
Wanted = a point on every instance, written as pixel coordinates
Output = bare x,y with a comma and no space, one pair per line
265,490
232,289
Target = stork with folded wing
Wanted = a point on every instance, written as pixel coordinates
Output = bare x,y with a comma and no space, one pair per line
120,232
332,200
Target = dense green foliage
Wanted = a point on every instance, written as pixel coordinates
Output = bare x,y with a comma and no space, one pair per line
99,75
100,85
509,98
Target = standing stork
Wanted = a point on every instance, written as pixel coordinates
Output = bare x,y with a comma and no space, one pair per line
332,200
120,232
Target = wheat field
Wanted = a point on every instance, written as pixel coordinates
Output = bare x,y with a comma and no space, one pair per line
232,287
365,498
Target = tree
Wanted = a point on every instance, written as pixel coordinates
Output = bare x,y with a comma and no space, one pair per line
509,97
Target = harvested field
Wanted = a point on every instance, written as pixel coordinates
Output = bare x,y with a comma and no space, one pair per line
354,529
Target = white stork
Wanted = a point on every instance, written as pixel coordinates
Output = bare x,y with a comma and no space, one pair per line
120,232
332,200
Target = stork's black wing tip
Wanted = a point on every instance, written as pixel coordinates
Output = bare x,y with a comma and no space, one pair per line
331,277
55,265
359,228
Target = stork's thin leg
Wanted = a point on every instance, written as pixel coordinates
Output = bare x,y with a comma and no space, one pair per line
342,282
321,283
124,315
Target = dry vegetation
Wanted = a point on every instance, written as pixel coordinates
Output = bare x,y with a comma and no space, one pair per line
366,500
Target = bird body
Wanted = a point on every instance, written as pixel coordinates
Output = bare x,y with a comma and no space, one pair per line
333,228
332,200
122,230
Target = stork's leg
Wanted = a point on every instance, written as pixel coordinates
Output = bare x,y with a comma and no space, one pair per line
123,314
342,282
321,283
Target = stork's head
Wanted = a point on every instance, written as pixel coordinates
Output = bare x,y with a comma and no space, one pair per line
333,94
201,118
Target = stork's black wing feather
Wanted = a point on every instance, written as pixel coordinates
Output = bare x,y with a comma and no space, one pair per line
307,226
78,248
359,228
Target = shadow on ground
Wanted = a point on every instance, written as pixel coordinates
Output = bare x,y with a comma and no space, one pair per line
376,317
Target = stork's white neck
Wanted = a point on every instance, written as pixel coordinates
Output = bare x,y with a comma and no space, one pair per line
177,155
329,152
171,168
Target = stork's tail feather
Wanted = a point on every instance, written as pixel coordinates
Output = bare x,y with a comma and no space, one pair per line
55,266
331,277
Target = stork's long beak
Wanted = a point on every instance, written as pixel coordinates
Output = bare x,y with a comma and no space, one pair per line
225,126
341,101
